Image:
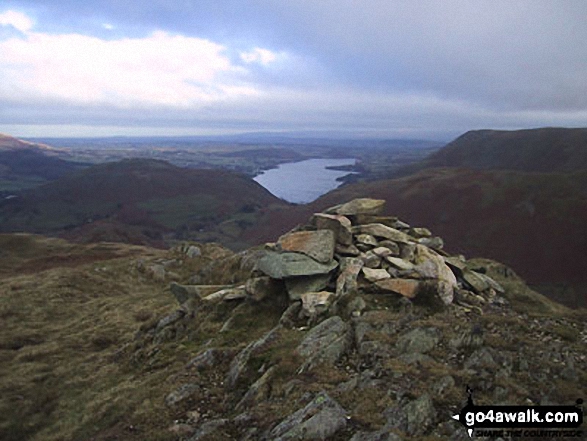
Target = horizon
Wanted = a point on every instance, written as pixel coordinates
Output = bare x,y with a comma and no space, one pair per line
400,70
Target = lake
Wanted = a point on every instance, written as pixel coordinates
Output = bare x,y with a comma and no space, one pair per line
304,181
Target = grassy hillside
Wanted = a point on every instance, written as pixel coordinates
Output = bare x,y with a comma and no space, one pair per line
140,198
541,150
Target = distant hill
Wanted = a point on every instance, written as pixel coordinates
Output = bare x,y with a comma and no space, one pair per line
541,150
25,164
139,201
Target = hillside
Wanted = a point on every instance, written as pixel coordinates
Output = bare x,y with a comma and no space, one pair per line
140,201
24,164
541,150
363,332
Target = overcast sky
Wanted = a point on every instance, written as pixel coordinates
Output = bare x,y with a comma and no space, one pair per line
427,69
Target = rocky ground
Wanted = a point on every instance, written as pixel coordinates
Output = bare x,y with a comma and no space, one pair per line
358,326
355,326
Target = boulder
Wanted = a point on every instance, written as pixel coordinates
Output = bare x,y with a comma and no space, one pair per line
366,239
431,266
315,303
373,275
320,419
419,340
435,243
358,206
346,283
405,287
399,263
284,265
258,288
347,250
319,245
420,232
382,231
339,225
325,343
370,259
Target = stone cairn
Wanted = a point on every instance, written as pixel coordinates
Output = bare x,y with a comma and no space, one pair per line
349,250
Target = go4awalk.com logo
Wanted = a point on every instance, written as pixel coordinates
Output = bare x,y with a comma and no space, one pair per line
522,421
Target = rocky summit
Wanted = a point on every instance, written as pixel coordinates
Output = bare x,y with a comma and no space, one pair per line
355,326
358,326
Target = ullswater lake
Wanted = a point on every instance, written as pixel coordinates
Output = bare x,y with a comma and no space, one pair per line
304,181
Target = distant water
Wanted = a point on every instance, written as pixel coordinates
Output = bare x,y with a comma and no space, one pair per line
304,181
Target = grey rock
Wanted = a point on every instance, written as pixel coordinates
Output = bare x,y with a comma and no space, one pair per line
481,359
420,340
436,243
296,286
414,418
346,283
356,306
430,265
239,363
288,317
182,393
316,303
170,319
338,224
325,343
370,259
193,251
372,275
399,263
366,239
444,384
318,420
284,265
347,250
358,206
319,245
407,251
258,390
391,246
207,359
382,231
420,232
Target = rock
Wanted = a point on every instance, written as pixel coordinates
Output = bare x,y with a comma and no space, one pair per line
481,359
470,338
419,340
474,281
207,359
373,275
183,293
391,246
315,303
325,343
259,288
339,225
320,419
319,245
288,317
182,393
385,232
382,251
405,287
457,264
346,283
430,265
366,239
228,294
258,390
358,206
407,251
370,259
413,418
239,363
356,306
193,251
435,243
347,250
170,319
399,263
296,286
419,232
284,265
157,272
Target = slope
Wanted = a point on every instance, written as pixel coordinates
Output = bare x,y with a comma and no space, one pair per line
139,199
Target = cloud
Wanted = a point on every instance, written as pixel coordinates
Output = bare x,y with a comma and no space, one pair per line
17,20
160,69
258,55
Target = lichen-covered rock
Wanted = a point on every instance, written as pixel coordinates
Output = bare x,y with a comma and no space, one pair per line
284,265
373,275
419,340
358,206
325,343
339,225
319,245
383,231
346,283
315,303
320,419
405,287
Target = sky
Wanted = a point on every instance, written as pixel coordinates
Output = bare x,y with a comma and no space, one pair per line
357,68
